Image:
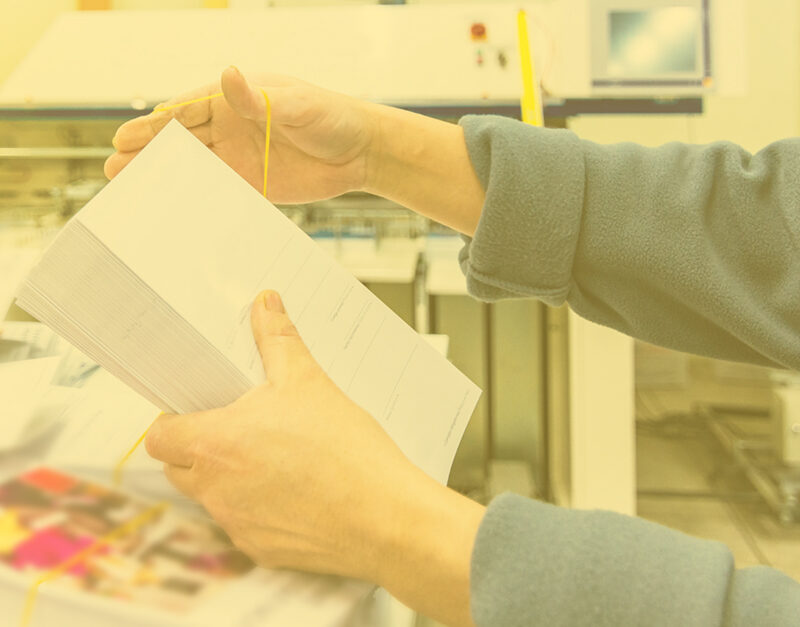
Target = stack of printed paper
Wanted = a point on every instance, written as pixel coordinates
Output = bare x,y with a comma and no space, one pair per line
155,277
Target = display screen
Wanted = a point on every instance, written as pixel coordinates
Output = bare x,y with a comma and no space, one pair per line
653,42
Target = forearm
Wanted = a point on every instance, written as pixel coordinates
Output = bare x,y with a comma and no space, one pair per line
537,564
695,247
690,247
425,543
423,164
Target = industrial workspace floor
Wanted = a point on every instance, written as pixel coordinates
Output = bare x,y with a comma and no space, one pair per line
690,483
671,466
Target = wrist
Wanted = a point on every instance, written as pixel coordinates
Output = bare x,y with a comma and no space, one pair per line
426,548
378,155
422,163
403,148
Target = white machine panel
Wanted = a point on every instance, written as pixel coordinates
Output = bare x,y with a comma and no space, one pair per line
415,54
411,54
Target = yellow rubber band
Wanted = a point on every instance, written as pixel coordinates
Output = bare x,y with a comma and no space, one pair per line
129,527
117,478
160,108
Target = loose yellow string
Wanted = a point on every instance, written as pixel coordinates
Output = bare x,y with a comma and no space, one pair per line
129,527
266,139
160,108
530,105
117,478
165,107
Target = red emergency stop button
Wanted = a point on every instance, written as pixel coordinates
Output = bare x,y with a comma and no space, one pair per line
478,31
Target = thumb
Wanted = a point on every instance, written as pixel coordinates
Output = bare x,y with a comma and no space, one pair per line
247,101
281,347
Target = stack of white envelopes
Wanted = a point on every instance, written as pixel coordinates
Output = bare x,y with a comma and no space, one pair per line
155,277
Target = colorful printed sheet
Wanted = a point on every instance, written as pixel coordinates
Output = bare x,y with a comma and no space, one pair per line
169,563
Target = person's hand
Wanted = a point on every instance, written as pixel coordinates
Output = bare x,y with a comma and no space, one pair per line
301,477
294,468
319,139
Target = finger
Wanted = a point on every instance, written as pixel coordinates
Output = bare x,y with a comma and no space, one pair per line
173,439
136,133
116,162
203,133
278,341
291,101
184,479
244,99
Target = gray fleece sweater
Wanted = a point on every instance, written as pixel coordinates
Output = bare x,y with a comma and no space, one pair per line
692,247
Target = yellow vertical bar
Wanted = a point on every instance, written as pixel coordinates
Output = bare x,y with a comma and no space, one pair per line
531,103
268,126
93,5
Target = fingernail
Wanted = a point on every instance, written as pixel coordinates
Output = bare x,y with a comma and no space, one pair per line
272,301
236,69
114,142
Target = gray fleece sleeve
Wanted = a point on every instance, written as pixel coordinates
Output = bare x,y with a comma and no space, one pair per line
691,247
537,564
